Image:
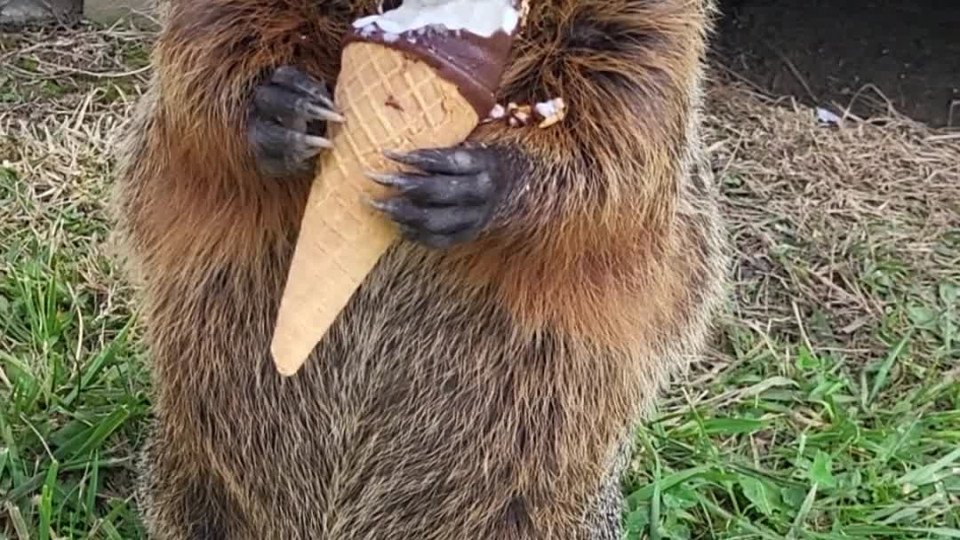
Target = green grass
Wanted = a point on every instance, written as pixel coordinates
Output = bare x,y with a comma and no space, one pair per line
828,406
787,443
73,405
71,382
73,402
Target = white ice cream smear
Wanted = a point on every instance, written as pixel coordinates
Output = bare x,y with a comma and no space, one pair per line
480,17
550,108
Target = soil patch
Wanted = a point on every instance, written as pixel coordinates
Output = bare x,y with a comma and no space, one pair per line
873,54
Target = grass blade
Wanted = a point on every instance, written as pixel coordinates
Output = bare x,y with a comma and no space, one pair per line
763,497
908,511
100,433
655,504
936,532
19,524
884,372
804,512
924,475
13,457
647,492
732,426
744,524
93,485
37,480
105,358
46,501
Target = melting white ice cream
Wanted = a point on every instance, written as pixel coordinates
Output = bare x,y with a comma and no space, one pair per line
480,17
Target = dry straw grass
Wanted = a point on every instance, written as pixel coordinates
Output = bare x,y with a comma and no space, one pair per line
64,96
824,217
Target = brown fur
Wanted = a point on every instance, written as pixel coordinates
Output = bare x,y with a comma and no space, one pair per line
482,393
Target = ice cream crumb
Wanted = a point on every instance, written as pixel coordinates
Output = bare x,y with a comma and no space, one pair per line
524,12
547,109
520,118
551,112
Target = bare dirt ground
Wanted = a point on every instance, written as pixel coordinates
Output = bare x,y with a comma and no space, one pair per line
868,54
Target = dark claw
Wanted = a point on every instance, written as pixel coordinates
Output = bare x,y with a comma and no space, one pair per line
273,136
274,101
458,161
319,113
303,83
289,113
449,199
445,221
282,150
398,181
440,190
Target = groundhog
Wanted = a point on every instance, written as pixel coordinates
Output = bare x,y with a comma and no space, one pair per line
484,380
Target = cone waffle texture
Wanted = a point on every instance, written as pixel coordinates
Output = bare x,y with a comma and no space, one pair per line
391,102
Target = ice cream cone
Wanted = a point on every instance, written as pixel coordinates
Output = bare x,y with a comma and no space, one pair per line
390,101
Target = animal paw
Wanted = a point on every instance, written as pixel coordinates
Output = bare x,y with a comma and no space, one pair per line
290,112
450,199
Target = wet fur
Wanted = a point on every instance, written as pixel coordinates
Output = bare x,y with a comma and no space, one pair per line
482,393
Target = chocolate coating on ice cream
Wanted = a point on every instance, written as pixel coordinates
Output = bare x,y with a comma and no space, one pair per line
473,63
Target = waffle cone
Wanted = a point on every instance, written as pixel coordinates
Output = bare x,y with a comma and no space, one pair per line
391,102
